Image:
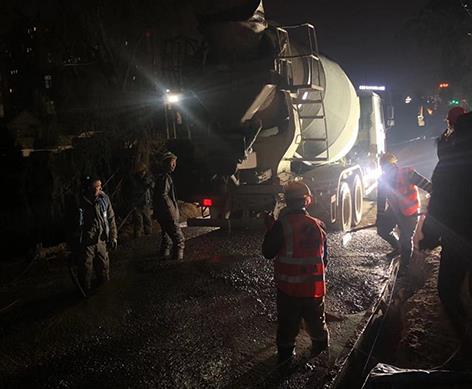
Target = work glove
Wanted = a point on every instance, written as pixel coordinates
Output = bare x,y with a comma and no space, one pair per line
113,244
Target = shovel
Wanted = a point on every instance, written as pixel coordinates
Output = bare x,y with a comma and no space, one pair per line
348,235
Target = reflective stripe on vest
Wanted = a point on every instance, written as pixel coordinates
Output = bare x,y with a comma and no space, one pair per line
299,268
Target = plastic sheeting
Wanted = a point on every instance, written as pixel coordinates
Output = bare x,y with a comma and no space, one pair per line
384,376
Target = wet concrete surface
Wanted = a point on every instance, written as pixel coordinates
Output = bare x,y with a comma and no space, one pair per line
208,321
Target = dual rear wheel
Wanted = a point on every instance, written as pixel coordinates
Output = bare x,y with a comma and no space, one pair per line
350,204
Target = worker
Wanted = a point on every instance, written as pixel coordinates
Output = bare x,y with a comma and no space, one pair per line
448,222
447,137
166,210
97,232
444,169
445,148
141,184
297,241
398,204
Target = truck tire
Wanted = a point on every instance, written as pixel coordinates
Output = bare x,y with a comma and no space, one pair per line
344,208
357,200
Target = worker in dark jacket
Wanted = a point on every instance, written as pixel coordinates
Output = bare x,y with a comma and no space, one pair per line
141,184
97,230
398,204
446,140
449,222
166,210
297,241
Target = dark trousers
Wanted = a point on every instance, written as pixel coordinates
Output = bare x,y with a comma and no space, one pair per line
453,269
290,312
171,234
94,257
406,227
142,221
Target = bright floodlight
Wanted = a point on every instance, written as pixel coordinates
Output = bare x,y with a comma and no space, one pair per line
372,87
172,98
408,100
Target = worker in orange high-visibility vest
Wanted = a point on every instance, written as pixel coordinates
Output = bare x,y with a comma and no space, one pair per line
398,204
297,242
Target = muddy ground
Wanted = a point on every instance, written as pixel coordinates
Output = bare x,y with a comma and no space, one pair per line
418,334
208,321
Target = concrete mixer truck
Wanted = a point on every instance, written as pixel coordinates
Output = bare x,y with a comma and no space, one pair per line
264,108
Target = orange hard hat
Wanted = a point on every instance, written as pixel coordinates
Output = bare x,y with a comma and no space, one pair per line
388,158
297,191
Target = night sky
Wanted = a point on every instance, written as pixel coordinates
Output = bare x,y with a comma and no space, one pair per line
368,38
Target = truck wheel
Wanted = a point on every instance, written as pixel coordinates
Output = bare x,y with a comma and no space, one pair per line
357,201
344,208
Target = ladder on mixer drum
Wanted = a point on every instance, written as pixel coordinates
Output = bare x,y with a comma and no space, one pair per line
299,92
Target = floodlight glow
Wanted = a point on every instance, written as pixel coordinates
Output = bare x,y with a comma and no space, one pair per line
407,100
372,174
172,98
372,87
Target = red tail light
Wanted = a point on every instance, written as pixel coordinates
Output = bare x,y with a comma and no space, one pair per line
207,202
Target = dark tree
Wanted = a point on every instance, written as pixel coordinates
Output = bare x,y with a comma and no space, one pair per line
448,26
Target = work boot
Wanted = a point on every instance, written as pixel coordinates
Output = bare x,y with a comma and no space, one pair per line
285,360
164,254
285,354
178,255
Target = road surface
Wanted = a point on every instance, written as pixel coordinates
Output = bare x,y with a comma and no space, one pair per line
208,321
